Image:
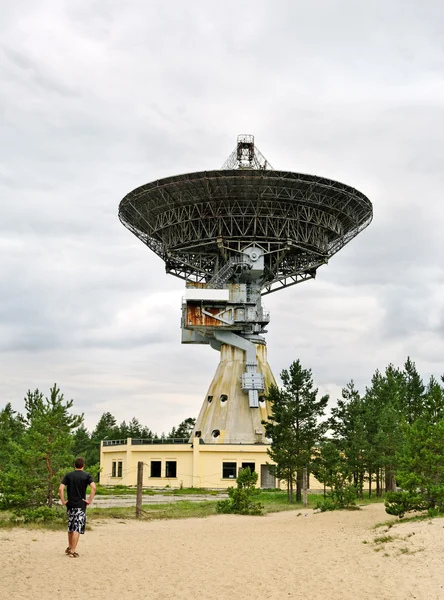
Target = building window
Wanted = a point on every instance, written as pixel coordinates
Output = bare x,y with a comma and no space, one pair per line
114,469
223,397
119,468
229,470
215,433
210,399
171,468
251,465
155,469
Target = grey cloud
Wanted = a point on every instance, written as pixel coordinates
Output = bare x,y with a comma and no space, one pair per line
48,83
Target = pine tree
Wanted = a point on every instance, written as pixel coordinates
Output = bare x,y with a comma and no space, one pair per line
420,469
412,393
43,452
184,429
86,447
434,401
383,418
106,428
326,463
123,431
294,426
347,424
11,429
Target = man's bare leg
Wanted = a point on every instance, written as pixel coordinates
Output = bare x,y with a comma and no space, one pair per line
69,539
74,541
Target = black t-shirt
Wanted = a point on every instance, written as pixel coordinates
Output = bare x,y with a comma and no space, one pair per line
76,483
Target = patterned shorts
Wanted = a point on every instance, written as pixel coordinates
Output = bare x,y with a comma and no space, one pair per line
76,520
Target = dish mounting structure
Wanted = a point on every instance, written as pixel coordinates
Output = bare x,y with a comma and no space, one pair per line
235,235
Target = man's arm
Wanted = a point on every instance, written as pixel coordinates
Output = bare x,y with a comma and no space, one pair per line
92,493
62,494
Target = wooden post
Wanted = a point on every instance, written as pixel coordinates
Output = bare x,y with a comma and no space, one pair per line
139,489
304,486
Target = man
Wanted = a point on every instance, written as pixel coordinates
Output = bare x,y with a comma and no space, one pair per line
76,483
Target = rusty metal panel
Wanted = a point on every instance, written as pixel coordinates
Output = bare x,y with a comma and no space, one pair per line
196,284
194,317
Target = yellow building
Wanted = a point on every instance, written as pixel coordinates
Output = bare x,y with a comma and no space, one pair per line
177,465
199,465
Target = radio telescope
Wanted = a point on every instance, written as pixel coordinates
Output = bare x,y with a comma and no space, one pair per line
234,235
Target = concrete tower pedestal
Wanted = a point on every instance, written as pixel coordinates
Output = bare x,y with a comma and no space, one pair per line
226,416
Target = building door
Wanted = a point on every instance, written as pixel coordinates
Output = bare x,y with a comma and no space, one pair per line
268,481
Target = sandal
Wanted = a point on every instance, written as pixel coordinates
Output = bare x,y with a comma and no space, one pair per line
68,550
73,554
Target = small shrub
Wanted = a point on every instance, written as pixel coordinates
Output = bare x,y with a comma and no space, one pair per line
224,507
242,498
414,499
343,497
324,504
435,512
398,503
41,514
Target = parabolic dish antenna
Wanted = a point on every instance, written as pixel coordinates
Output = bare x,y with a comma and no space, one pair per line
234,235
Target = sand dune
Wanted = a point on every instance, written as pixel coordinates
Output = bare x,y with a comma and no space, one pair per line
335,556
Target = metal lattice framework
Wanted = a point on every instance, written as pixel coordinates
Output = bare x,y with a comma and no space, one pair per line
246,155
197,222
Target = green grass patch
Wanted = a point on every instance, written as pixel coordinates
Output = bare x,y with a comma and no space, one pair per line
385,539
123,490
5,519
277,501
190,492
372,500
183,509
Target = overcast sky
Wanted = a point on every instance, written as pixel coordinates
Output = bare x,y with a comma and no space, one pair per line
99,97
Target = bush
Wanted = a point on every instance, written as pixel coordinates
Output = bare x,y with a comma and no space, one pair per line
346,496
431,500
343,497
324,504
224,507
242,499
41,514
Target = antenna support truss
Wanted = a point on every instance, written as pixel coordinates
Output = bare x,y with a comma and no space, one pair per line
246,156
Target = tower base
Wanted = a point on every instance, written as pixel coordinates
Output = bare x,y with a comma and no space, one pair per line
226,416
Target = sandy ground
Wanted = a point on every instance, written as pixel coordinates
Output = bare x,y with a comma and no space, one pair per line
305,555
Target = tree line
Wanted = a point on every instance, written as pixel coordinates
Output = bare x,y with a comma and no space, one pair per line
40,444
388,439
